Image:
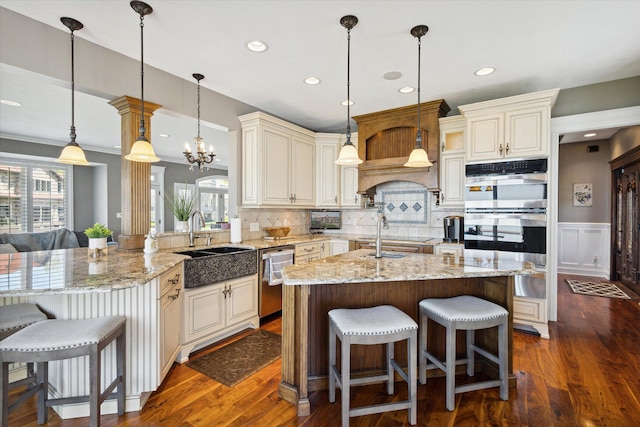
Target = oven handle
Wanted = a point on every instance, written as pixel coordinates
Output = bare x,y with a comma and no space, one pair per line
538,178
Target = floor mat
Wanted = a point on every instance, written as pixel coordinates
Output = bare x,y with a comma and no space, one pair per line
235,362
603,289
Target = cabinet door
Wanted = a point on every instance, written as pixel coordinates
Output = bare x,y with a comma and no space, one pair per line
203,311
276,169
485,137
452,175
303,174
339,247
349,197
328,177
241,299
526,133
170,311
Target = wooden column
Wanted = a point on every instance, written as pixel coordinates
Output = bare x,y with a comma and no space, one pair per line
135,181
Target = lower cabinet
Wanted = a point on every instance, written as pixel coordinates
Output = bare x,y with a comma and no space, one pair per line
455,249
395,247
169,310
216,311
339,247
311,251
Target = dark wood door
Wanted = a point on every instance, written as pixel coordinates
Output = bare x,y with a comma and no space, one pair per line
626,225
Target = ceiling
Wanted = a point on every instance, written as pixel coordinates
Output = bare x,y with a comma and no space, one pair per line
534,45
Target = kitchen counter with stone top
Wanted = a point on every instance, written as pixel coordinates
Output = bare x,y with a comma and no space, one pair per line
63,271
361,266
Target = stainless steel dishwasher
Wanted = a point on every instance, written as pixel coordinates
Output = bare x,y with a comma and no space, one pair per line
270,296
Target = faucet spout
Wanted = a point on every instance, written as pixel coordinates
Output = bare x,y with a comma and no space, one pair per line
382,223
191,227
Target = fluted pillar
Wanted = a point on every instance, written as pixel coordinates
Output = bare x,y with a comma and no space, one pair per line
135,181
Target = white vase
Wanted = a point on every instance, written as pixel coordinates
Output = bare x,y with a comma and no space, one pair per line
97,243
182,226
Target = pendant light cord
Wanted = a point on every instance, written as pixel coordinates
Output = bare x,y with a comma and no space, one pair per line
142,128
348,86
198,111
72,135
419,133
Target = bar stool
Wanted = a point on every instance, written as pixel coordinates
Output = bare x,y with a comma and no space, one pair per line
14,317
49,340
367,326
467,313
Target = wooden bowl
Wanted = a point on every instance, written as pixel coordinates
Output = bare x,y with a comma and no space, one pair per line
277,231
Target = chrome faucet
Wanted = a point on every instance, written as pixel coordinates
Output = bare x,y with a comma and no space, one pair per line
382,223
191,232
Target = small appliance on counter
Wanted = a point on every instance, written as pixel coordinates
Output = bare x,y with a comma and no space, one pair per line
453,228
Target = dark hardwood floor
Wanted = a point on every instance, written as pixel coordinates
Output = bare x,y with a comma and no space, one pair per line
587,374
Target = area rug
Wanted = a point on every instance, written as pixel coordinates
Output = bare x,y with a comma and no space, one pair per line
604,289
235,362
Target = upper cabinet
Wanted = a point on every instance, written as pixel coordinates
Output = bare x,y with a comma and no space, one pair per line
328,173
509,128
452,161
278,163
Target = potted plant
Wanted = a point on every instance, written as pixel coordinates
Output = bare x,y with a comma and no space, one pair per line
182,204
97,235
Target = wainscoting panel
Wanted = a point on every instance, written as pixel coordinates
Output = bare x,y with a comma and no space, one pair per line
583,248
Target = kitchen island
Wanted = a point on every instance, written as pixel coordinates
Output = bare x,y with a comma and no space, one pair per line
358,279
69,284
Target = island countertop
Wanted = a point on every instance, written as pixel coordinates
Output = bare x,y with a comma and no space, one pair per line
74,271
361,266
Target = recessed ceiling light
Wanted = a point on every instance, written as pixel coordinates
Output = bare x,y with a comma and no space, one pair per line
164,135
257,46
312,80
589,135
484,71
392,75
347,102
406,89
117,146
10,103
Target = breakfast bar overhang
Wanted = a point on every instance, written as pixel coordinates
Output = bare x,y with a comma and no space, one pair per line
358,279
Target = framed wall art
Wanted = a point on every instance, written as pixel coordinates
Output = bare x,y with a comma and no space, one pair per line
582,194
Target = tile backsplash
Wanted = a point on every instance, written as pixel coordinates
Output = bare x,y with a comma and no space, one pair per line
410,210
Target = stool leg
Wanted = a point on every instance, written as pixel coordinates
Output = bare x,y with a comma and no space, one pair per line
94,386
390,371
503,341
412,352
345,371
422,369
4,390
42,381
121,344
450,367
332,363
471,354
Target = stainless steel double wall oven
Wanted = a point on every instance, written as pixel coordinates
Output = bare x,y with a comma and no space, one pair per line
506,216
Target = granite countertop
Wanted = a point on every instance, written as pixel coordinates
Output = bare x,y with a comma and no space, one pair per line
305,238
361,266
74,271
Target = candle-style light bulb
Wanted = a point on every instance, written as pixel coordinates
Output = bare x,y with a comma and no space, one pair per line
187,149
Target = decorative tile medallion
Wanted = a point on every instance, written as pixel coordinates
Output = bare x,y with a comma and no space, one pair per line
411,206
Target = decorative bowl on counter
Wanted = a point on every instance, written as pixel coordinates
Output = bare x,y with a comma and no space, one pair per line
277,231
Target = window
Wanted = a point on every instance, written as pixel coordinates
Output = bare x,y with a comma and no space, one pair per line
214,200
34,195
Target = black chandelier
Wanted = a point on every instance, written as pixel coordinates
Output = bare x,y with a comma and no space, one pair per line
202,156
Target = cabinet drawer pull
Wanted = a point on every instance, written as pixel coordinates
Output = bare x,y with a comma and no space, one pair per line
175,280
176,295
308,249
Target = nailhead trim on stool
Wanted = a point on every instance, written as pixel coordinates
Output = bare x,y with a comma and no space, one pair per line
467,313
383,324
50,340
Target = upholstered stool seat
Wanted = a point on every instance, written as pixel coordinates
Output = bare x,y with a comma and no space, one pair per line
367,326
467,313
49,340
14,317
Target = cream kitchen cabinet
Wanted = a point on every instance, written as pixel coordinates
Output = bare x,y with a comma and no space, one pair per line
339,246
452,161
278,163
509,128
327,172
169,310
216,311
311,251
452,249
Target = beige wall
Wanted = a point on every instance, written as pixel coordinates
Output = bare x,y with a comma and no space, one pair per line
579,166
624,140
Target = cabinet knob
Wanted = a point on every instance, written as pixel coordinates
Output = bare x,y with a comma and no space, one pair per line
506,150
500,149
355,199
443,147
335,199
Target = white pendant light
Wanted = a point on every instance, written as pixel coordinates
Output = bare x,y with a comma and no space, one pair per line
348,153
142,151
72,154
418,157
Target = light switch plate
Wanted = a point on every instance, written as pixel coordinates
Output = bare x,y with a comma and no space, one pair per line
254,226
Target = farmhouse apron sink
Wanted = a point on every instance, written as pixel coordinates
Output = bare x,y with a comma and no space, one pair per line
217,264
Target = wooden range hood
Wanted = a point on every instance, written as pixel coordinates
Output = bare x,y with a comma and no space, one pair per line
386,138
